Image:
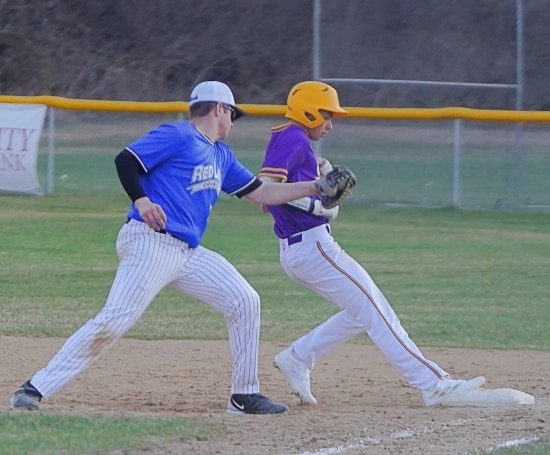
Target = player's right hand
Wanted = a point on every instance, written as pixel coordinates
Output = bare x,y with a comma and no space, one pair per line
151,213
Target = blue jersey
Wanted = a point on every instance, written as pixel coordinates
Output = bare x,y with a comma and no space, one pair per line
184,173
289,157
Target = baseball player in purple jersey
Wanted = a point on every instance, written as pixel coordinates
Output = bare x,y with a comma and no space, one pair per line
310,256
173,176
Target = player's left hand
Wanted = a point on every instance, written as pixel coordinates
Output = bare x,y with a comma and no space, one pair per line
325,166
151,213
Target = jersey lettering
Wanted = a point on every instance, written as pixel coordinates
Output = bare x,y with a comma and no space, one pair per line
205,176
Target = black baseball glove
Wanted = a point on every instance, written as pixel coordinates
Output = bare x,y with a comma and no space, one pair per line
336,186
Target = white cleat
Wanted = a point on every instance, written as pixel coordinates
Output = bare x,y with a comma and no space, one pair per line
447,389
296,374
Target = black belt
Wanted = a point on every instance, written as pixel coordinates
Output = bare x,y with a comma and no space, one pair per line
297,238
162,231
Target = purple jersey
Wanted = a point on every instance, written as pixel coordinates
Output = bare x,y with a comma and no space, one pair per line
184,174
289,157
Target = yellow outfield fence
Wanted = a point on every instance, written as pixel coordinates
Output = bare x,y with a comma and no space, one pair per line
381,113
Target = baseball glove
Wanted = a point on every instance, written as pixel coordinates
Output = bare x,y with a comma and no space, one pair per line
336,186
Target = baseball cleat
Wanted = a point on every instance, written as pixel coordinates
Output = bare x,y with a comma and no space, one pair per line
296,374
446,387
254,403
26,398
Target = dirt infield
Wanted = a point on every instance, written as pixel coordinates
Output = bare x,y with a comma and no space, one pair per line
364,404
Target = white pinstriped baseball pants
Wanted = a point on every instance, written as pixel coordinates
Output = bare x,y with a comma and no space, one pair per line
319,263
148,262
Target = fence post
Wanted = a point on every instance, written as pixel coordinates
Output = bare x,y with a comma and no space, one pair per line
457,147
51,152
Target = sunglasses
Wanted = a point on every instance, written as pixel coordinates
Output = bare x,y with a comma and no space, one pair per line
230,109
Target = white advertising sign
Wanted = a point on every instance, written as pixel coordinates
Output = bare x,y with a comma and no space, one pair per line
20,132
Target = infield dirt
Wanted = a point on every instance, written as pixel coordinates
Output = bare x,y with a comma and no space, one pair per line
365,406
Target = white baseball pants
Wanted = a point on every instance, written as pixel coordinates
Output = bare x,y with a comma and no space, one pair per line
318,262
148,262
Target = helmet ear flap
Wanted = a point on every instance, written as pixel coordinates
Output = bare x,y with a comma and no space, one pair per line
303,115
310,116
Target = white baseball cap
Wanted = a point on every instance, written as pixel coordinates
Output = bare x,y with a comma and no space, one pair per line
214,91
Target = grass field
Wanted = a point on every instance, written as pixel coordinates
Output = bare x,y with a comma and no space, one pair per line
456,279
467,273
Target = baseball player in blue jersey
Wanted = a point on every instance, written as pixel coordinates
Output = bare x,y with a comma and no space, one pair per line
310,256
173,176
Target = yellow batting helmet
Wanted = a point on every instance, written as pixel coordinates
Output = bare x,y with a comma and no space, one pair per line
306,99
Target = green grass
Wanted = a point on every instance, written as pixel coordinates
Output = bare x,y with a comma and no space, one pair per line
535,448
455,278
42,434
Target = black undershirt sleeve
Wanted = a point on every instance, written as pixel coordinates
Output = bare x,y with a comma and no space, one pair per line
129,169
